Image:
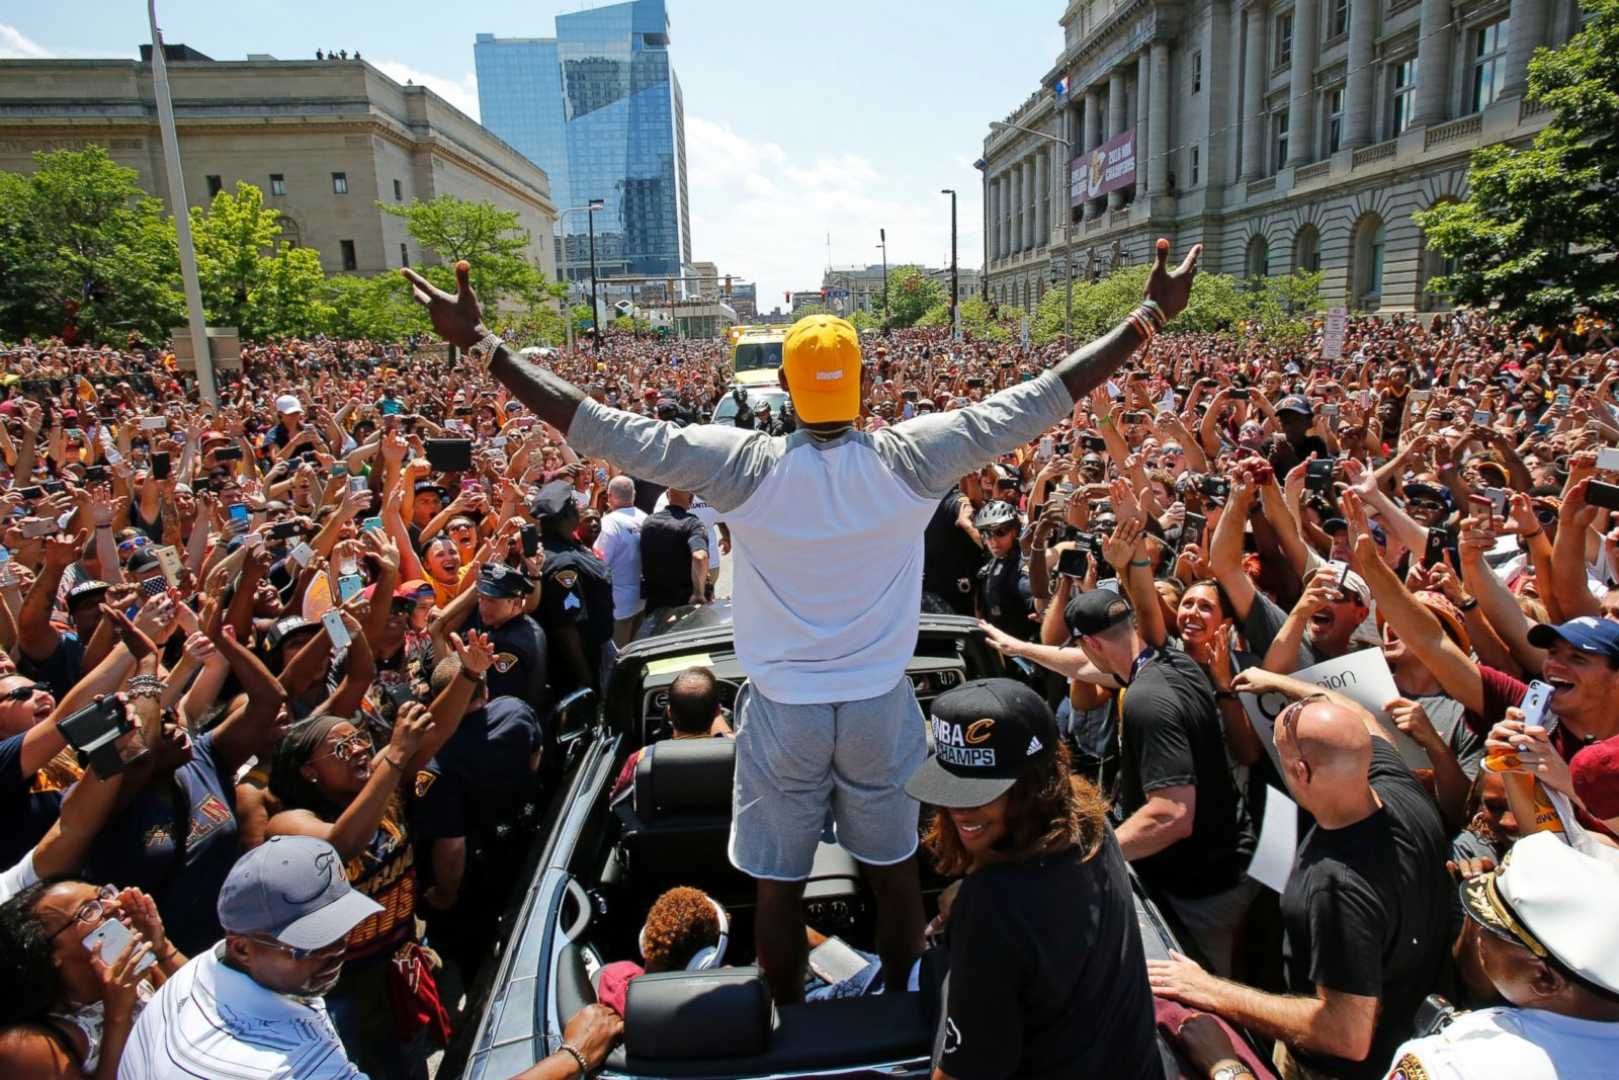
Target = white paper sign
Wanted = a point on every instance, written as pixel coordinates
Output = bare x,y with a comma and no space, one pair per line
1278,841
1363,677
1332,334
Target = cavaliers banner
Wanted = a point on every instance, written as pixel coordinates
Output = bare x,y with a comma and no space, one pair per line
1107,168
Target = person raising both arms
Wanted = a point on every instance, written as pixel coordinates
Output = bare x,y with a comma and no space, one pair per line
828,720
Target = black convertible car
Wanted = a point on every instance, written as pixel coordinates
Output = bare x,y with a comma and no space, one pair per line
596,869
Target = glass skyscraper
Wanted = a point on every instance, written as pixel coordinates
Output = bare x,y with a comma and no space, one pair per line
598,107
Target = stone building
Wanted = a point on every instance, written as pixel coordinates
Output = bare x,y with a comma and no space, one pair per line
1282,134
326,141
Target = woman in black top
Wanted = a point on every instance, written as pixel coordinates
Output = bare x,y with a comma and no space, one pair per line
1047,974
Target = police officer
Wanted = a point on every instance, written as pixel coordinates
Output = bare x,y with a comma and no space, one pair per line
576,594
1004,598
520,654
1542,930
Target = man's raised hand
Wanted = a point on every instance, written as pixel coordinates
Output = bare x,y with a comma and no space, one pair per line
1171,289
456,316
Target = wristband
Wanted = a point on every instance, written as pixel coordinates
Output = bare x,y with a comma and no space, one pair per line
578,1058
483,353
1467,605
1140,562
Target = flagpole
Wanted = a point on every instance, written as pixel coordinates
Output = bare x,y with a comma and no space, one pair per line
182,216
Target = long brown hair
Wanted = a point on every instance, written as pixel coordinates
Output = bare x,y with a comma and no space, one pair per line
1047,810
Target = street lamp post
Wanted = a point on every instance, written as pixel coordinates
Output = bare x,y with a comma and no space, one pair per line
567,316
882,235
1068,254
595,310
955,280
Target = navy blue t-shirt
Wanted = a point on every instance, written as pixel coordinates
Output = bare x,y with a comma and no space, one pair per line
480,776
26,814
140,845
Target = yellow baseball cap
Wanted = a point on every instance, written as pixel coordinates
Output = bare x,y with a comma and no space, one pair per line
822,359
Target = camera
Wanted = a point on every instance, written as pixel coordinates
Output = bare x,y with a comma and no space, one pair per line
96,732
1214,487
1318,476
1074,562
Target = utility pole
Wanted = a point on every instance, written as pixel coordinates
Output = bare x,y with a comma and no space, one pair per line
882,234
200,351
955,279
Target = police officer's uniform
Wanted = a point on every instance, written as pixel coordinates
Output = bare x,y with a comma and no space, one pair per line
1556,901
1004,598
520,654
576,589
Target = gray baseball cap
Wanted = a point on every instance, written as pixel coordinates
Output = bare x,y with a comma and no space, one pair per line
292,888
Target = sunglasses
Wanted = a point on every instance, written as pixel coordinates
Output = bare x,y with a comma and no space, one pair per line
297,953
23,693
1003,530
127,546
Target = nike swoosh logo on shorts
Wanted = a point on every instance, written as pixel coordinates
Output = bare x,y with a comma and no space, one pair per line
745,807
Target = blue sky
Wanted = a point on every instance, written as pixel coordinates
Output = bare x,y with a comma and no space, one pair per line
802,119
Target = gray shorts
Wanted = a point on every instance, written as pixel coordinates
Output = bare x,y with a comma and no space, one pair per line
794,763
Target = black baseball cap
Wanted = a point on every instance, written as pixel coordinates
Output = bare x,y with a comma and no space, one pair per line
1095,611
502,582
986,734
553,501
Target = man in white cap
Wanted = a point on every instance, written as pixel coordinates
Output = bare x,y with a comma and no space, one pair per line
1542,930
252,1005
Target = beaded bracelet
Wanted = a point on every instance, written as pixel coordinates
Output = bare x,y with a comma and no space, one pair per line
145,686
578,1058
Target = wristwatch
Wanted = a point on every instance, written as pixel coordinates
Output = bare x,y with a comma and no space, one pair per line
483,353
1232,1072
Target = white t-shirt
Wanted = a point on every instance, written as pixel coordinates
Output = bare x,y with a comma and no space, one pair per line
619,546
826,533
18,878
212,1020
1511,1044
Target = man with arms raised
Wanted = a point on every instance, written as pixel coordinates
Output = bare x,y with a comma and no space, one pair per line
827,526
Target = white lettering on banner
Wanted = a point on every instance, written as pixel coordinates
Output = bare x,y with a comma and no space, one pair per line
966,756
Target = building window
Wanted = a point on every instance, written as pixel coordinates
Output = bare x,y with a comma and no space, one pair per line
1197,72
1402,94
1337,18
1195,161
340,185
1258,257
1333,130
1371,243
1284,38
1489,62
349,261
215,186
399,191
404,253
1307,249
1279,126
278,184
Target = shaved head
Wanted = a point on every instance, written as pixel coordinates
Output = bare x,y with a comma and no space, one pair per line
1326,752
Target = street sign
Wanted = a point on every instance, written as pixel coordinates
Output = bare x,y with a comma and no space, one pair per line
1332,335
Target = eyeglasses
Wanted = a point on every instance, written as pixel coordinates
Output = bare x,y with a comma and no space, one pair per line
91,912
297,953
23,693
127,546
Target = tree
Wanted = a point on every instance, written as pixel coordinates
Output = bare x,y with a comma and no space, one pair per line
1538,235
910,294
82,246
976,321
251,280
491,239
1221,303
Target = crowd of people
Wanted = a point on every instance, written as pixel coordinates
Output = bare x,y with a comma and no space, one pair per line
278,680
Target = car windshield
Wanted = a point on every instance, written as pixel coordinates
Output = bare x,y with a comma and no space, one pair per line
754,355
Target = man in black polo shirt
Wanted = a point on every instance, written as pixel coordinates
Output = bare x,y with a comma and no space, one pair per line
1185,828
1366,910
674,555
519,668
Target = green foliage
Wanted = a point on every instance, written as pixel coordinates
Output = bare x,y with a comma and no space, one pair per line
491,239
975,319
864,320
378,307
1220,303
807,310
79,231
910,294
249,279
1538,234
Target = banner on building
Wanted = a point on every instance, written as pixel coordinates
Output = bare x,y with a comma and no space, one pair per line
1109,167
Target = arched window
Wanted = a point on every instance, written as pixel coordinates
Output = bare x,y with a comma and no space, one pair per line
1307,249
1257,263
1371,243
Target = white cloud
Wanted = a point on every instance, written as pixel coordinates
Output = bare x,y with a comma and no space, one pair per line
764,216
462,93
15,46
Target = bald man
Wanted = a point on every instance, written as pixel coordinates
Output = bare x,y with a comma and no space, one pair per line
1366,907
619,546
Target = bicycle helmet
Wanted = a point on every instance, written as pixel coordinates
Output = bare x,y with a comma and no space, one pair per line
995,513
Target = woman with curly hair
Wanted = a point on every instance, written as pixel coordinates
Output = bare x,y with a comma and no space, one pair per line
1047,976
69,1010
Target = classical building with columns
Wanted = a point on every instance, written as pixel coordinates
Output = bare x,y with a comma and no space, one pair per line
1281,134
